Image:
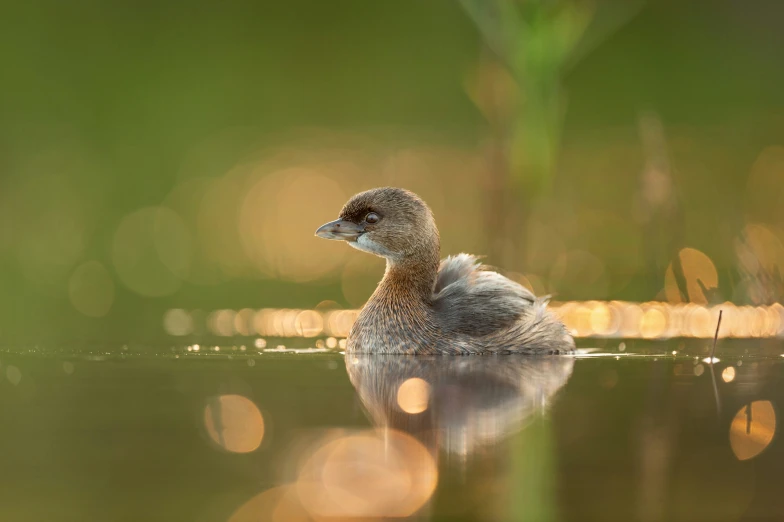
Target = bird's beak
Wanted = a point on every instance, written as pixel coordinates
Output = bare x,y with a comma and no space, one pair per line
340,229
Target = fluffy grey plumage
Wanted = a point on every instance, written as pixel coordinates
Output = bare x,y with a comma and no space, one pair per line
472,300
421,306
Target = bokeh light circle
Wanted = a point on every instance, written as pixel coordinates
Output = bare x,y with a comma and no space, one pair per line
700,277
277,220
178,322
375,473
413,395
234,423
752,429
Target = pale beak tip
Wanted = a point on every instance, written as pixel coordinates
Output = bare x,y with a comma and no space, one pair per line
322,232
339,229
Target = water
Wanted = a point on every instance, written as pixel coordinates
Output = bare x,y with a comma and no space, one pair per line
127,435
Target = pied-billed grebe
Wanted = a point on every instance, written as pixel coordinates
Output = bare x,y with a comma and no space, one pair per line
423,306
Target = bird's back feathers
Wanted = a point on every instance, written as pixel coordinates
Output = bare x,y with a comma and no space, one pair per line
473,300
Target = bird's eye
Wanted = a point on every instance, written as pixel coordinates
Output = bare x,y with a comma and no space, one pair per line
372,218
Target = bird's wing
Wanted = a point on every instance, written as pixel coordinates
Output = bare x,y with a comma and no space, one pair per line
470,299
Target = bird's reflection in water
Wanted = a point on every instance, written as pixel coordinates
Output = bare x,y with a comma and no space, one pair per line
424,408
456,404
462,410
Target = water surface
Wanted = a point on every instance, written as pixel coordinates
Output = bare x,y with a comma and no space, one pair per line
131,434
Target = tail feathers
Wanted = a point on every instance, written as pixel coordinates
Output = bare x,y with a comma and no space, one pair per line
540,304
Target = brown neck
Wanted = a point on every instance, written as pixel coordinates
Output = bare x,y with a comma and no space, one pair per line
414,275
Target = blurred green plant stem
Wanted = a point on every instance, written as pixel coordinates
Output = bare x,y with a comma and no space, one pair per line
536,43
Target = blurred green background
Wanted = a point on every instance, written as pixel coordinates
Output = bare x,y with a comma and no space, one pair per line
158,155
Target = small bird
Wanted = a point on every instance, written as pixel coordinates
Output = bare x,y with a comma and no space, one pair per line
426,306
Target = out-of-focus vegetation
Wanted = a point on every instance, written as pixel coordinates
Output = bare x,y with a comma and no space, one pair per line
158,156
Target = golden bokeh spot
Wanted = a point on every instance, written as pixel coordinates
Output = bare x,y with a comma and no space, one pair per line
277,323
262,322
234,423
309,323
772,322
699,274
413,395
653,323
376,473
289,323
758,318
277,220
581,320
741,322
728,374
243,322
605,319
631,317
91,289
177,322
339,322
679,322
221,322
611,319
701,322
151,251
752,429
278,317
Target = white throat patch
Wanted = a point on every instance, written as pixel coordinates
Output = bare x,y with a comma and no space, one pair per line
368,245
